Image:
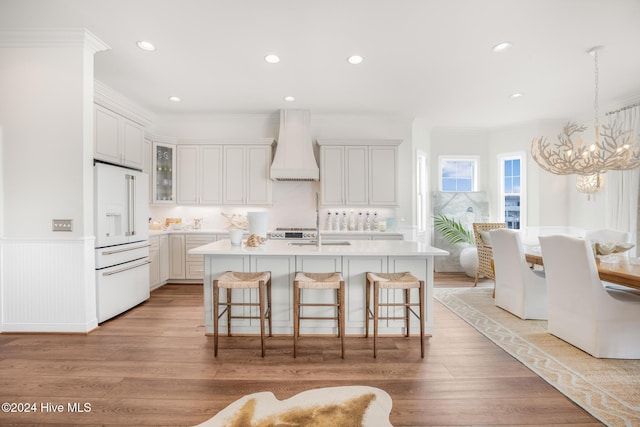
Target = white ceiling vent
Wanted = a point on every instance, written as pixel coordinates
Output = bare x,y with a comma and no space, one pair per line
294,159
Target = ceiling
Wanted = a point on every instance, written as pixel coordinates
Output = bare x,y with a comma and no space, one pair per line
430,59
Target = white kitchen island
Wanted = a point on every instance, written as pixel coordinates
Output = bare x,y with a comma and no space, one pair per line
353,260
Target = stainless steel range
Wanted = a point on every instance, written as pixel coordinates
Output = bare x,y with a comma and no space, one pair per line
295,234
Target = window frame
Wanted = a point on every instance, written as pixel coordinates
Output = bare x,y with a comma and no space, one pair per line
502,158
459,158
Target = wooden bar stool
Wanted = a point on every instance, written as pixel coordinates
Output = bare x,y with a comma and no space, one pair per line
405,281
318,281
235,280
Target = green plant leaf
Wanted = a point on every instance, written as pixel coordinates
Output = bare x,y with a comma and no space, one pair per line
452,231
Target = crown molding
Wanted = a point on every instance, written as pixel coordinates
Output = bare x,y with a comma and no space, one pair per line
51,37
373,141
227,141
118,103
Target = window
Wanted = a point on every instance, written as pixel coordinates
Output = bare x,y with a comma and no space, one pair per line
512,189
423,192
458,174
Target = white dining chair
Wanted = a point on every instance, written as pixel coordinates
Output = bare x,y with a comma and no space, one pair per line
600,321
519,289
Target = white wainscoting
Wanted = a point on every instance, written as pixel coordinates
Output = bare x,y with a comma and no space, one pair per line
48,285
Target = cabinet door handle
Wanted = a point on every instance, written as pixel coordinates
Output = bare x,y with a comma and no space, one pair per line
109,273
117,251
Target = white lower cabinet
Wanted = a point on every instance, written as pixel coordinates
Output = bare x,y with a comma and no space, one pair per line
159,261
194,264
355,275
154,261
176,256
181,265
164,258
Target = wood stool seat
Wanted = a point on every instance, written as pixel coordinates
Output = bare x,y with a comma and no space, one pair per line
231,280
404,281
318,281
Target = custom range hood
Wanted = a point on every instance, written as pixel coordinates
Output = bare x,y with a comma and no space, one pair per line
294,159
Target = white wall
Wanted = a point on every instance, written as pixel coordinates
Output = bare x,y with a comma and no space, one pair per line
46,117
552,200
44,155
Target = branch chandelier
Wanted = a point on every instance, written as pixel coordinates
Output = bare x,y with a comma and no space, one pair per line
613,148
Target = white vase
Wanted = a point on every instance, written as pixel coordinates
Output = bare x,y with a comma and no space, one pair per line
258,223
469,260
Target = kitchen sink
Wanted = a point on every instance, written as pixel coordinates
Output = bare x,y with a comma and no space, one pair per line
328,243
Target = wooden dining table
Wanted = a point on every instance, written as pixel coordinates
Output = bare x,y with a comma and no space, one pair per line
624,273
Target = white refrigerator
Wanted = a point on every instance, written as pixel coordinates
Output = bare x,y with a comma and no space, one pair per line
122,239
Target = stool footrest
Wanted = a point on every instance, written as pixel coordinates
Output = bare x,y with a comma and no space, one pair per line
388,318
238,304
380,317
411,304
319,305
247,317
318,318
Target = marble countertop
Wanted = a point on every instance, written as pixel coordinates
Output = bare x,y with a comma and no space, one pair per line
354,248
344,234
191,231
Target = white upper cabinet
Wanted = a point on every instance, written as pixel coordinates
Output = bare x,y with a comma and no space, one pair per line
383,175
199,174
359,172
234,175
332,175
246,174
211,174
164,173
187,175
117,139
210,184
356,170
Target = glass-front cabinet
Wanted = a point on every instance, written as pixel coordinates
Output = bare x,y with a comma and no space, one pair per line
164,173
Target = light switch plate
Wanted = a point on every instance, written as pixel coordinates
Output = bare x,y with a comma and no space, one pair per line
62,224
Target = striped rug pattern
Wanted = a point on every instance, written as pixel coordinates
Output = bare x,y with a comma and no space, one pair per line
607,389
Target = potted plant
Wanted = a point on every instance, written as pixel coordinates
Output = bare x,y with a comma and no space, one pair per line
456,234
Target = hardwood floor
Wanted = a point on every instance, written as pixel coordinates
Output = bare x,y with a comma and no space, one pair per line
154,366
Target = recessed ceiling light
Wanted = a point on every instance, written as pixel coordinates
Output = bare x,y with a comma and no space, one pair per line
289,98
501,47
272,59
355,59
148,46
516,95
175,99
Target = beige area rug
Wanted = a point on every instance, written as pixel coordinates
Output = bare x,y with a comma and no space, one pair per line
609,389
332,406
